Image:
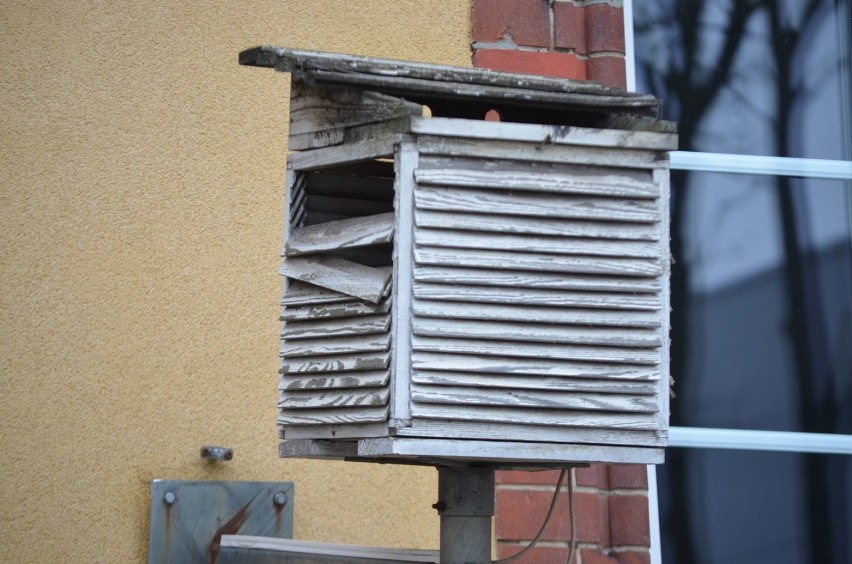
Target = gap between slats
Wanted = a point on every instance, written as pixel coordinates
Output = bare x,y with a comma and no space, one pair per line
536,280
534,244
612,355
599,185
470,295
522,382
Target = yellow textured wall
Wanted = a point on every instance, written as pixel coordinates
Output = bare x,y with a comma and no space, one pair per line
141,195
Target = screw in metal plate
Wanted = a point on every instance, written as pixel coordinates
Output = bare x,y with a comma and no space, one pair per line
280,499
169,498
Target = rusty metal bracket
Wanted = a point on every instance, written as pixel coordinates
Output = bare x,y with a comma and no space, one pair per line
188,518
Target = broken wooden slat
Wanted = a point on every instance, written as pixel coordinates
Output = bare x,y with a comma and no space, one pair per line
548,399
337,155
313,399
322,109
332,416
506,381
340,275
529,296
336,363
549,206
497,222
538,314
530,366
536,332
542,280
597,185
301,293
346,233
326,311
326,381
532,244
336,327
342,345
582,353
500,260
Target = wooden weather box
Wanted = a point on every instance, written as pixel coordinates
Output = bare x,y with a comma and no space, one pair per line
461,289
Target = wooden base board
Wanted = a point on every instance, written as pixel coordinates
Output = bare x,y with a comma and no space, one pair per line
452,452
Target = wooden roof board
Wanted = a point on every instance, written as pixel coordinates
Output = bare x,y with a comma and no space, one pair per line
423,81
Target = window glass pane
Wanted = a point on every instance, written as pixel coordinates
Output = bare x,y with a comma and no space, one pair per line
762,77
761,303
721,506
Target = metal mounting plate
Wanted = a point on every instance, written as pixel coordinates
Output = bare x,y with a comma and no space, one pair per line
188,518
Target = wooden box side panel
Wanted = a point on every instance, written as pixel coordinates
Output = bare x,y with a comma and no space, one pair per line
540,288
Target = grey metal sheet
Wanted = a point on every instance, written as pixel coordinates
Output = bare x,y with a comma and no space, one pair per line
188,518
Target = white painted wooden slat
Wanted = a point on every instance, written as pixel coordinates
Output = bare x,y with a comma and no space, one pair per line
536,332
346,233
314,399
349,206
342,154
337,327
326,381
535,133
534,399
336,363
556,417
289,550
324,346
530,366
602,156
601,385
540,280
404,165
501,260
331,416
306,446
599,185
340,275
496,222
530,296
617,355
336,432
533,244
506,452
535,205
327,311
537,314
491,431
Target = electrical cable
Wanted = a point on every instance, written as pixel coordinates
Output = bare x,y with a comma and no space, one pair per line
565,472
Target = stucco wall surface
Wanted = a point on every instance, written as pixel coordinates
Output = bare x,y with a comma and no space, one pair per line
141,196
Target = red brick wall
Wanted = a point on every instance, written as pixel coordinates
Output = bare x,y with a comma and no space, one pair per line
585,40
570,39
610,505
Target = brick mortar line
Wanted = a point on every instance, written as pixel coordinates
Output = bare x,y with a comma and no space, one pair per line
620,549
577,489
528,49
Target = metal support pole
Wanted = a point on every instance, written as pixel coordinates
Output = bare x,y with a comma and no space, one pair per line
466,505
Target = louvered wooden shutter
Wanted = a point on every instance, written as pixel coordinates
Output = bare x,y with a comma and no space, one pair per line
538,286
